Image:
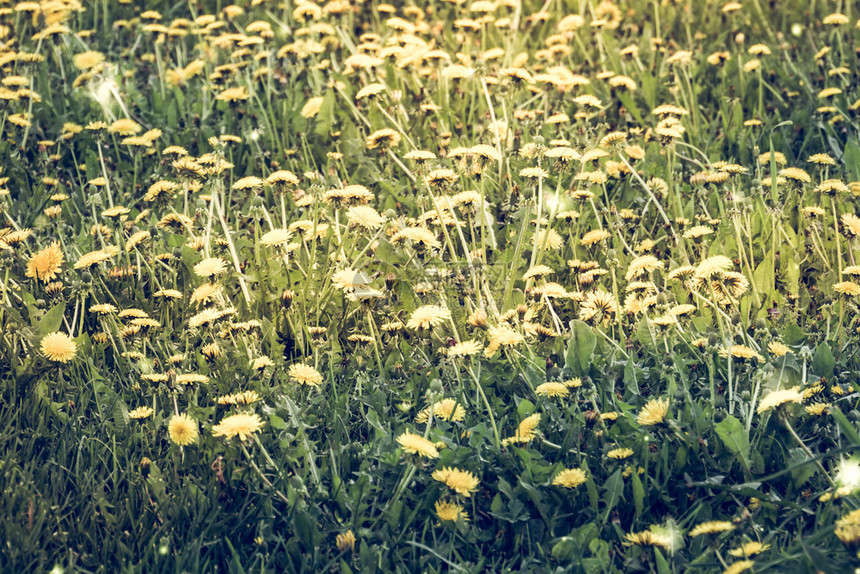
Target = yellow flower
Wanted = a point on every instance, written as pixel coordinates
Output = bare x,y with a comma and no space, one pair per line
450,511
88,60
233,95
620,453
464,349
250,182
125,127
182,429
242,425
95,257
58,347
345,541
777,398
738,567
552,389
594,236
778,349
749,549
428,316
462,482
817,409
569,478
847,288
210,267
383,139
848,529
45,265
525,431
141,413
741,352
417,444
653,413
275,237
305,375
598,305
713,266
711,527
312,107
364,216
446,409
647,538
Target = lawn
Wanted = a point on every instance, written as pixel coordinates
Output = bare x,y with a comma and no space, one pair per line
462,286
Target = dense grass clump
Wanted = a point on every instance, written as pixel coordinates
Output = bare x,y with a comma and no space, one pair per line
474,286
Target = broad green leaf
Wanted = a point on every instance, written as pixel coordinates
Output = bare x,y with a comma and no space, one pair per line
566,549
845,425
613,490
638,494
52,320
822,361
580,346
735,437
646,333
662,564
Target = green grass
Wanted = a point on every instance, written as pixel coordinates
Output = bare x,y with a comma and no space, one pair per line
88,488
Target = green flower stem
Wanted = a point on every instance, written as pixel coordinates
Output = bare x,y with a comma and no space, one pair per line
265,480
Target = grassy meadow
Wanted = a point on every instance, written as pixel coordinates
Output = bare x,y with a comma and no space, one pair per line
462,286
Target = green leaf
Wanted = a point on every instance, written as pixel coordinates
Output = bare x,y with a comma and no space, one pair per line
525,408
662,564
638,494
822,361
803,467
851,159
580,346
845,426
614,488
52,320
793,335
646,334
566,549
632,374
325,118
735,437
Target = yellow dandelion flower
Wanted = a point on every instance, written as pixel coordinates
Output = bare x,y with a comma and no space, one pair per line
648,538
749,549
46,264
446,409
462,482
653,413
241,425
182,429
594,236
569,478
210,267
620,453
88,60
778,349
428,316
526,430
450,511
141,413
58,347
738,567
465,349
305,375
711,527
345,541
276,237
417,444
552,390
778,398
